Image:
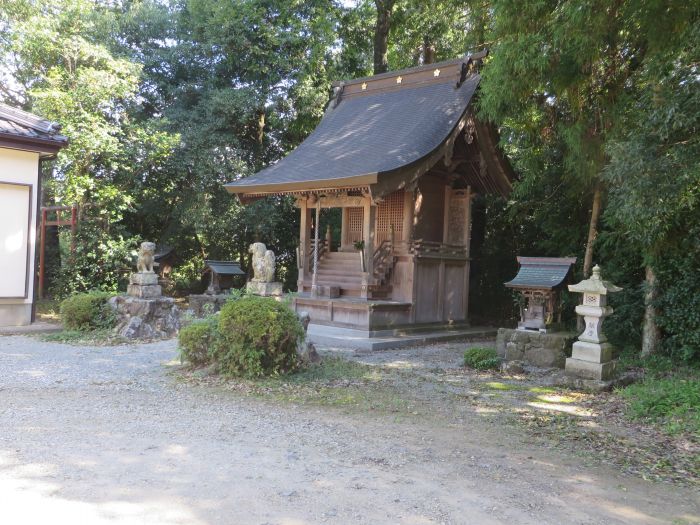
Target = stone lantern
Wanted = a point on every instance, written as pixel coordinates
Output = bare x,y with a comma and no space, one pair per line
591,357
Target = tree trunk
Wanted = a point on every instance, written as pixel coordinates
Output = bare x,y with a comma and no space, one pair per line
260,135
381,35
592,230
651,335
428,51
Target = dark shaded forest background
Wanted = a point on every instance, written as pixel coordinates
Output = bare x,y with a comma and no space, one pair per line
597,103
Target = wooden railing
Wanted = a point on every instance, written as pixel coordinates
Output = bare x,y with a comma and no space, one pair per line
438,249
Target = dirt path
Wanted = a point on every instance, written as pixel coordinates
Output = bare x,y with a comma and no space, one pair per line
106,435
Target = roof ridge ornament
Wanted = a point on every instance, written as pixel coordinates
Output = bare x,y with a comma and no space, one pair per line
469,66
338,94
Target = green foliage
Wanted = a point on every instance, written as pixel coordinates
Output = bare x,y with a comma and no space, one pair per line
481,358
672,402
88,311
196,341
258,336
679,304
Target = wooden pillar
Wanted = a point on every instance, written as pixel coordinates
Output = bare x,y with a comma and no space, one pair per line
369,219
408,210
317,226
304,236
467,243
442,284
344,244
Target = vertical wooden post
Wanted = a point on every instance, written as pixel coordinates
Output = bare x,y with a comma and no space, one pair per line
467,243
304,228
408,210
42,257
314,286
329,238
344,244
369,218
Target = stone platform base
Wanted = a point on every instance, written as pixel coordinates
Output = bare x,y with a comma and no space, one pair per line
588,370
264,289
546,350
139,318
206,304
144,285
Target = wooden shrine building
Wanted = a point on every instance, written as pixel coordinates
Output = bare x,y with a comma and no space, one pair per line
402,154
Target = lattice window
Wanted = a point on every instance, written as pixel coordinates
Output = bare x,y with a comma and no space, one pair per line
390,212
354,225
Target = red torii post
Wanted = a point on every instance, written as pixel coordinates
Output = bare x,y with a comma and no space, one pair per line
58,221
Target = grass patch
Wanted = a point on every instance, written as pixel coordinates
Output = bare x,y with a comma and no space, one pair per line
496,385
335,382
672,402
99,337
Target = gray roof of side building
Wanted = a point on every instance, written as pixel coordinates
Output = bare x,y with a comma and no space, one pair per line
541,272
26,131
225,267
368,131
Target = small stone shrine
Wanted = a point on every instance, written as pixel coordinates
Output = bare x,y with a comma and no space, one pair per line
144,313
222,275
591,356
535,342
539,281
263,282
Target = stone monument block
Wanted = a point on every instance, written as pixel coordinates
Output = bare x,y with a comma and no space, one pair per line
264,289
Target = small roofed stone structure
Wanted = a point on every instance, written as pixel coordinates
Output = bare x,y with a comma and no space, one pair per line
402,155
540,280
221,275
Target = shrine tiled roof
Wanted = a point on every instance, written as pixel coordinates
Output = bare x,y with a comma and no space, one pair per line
22,130
225,267
373,126
541,272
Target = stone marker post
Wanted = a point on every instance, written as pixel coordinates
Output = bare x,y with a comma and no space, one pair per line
591,357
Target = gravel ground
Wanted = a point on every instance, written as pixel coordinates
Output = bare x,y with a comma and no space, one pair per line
107,435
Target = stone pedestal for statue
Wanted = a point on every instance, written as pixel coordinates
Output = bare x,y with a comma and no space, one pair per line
144,313
263,282
591,356
273,289
144,285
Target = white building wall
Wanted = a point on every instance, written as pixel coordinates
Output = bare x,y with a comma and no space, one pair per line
17,227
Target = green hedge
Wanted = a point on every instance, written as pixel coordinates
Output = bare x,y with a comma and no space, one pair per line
87,311
250,337
258,336
481,358
196,340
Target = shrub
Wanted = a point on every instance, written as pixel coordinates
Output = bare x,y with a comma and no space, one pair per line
257,336
481,358
88,311
197,339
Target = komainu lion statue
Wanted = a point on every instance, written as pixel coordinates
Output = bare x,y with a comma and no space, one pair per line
144,264
263,263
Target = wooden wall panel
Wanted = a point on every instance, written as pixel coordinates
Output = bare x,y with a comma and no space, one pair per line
453,297
427,291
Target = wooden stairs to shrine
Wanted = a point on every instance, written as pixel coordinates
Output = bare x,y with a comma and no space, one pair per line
344,270
341,269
